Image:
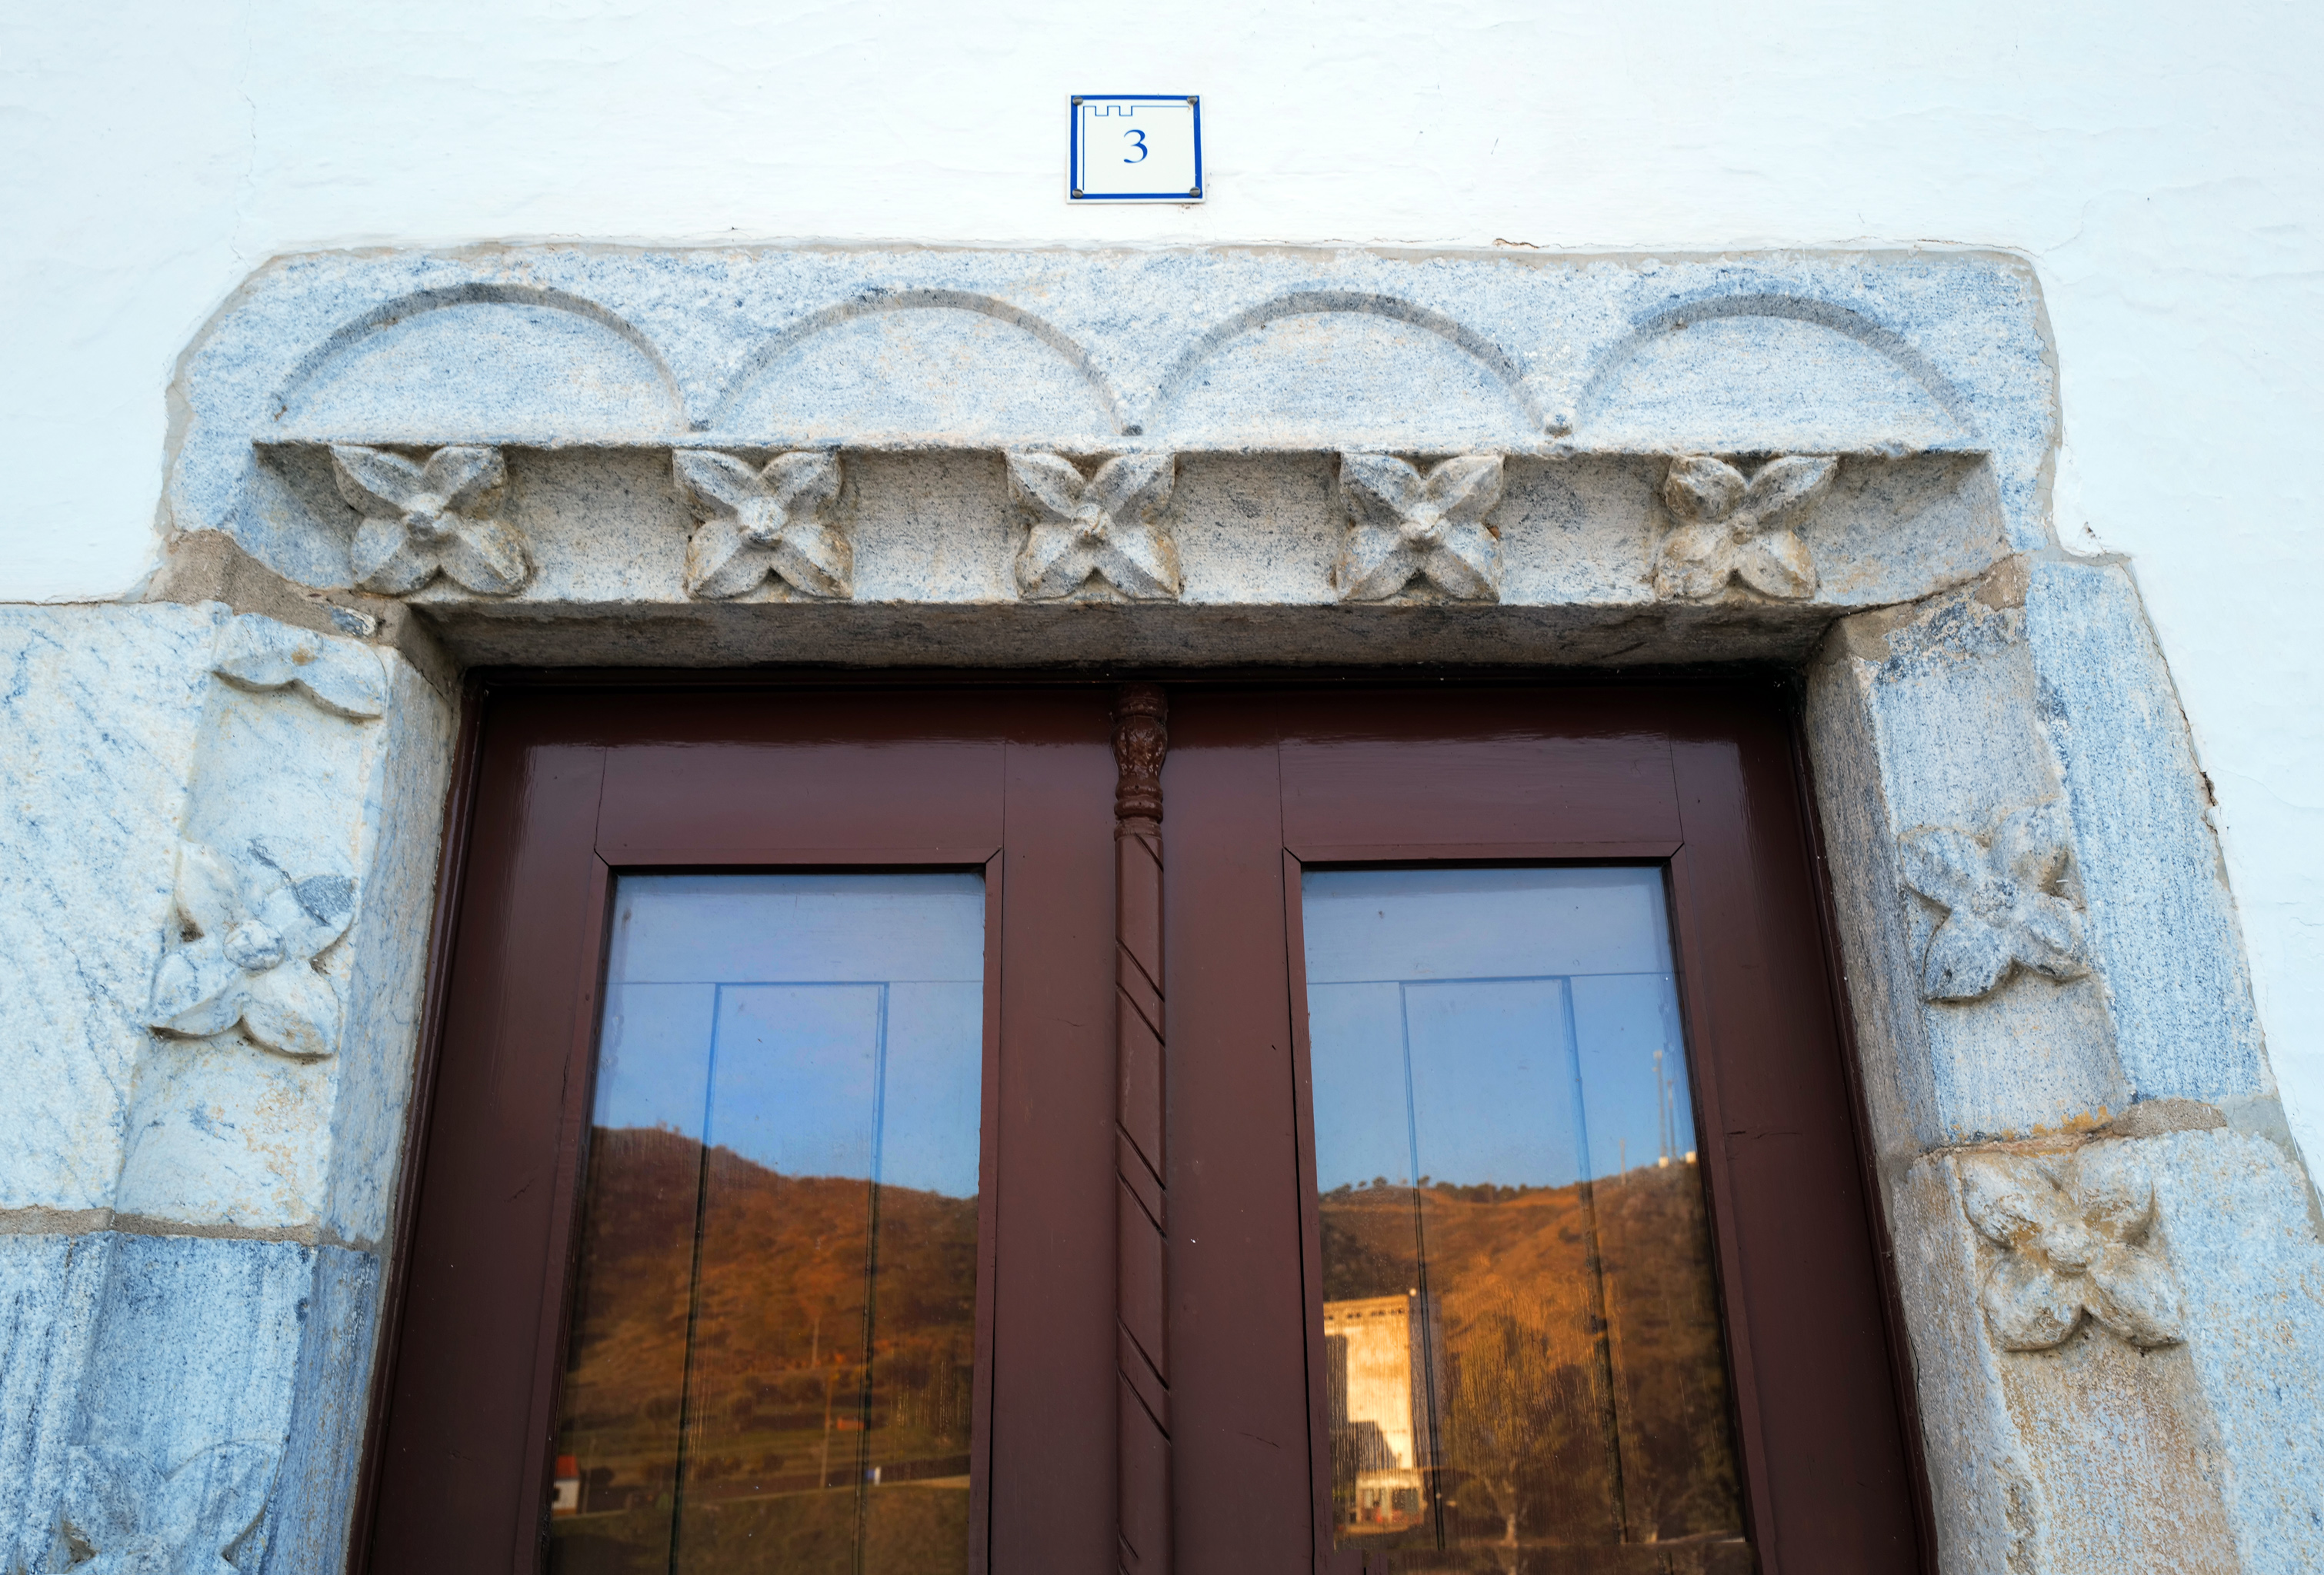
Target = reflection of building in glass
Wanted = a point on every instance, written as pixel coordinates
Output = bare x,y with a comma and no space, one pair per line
1380,1382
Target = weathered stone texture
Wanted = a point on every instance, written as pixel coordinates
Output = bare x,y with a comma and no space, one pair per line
151,1383
101,708
2161,921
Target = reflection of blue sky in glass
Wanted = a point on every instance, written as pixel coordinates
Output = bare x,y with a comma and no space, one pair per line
1492,1024
815,1024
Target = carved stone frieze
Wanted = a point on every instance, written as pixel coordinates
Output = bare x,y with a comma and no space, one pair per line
423,518
337,676
1403,526
1728,529
252,930
2007,902
123,1516
1104,526
2073,1232
757,522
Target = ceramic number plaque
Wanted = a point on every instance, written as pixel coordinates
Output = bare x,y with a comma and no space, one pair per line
1135,147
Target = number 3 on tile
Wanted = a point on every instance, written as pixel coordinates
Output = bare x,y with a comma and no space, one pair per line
1135,147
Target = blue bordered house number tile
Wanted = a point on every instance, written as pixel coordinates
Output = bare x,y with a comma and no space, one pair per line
1135,147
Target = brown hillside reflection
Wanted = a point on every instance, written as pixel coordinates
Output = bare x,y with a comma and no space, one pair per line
1523,1365
825,1414
1504,1397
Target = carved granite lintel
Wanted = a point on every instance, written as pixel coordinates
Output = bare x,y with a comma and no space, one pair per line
122,1517
438,516
254,931
1403,527
1729,528
338,676
2073,1232
1102,525
757,522
2007,900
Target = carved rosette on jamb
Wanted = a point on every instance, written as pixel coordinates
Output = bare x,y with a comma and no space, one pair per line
1140,740
250,932
2073,1234
2009,900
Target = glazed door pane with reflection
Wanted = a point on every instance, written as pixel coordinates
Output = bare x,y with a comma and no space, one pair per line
1522,1355
773,1323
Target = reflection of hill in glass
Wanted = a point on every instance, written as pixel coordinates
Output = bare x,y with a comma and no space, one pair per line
1577,1404
804,1429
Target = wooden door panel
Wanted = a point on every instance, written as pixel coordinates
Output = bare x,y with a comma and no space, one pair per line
1052,1211
1238,1304
1832,1486
461,1396
571,788
1701,777
1379,769
798,773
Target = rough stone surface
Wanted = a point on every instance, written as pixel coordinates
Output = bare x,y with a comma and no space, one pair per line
1924,722
403,817
102,710
314,1491
2161,917
2234,1221
167,1399
50,1288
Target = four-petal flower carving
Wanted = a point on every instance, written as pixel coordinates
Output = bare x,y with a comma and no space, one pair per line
418,519
2074,1233
1403,526
121,1515
2004,907
257,930
1102,525
757,522
1729,528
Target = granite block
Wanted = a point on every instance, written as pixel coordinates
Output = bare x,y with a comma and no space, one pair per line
102,708
2162,922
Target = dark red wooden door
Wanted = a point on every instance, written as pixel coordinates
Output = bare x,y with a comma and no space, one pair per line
1700,781
572,788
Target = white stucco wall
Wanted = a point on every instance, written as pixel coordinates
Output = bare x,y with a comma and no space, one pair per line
2159,163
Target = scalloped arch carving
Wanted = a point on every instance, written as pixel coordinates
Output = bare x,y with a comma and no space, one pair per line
505,362
874,327
1767,373
1336,366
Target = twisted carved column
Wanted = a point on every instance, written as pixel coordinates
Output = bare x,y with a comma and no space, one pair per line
1141,739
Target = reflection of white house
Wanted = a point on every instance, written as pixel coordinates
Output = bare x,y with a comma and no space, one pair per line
1378,1382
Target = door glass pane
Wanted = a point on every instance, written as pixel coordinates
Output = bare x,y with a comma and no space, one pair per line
774,1321
1522,1354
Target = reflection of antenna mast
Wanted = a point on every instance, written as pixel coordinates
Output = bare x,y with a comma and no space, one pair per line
1662,1117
